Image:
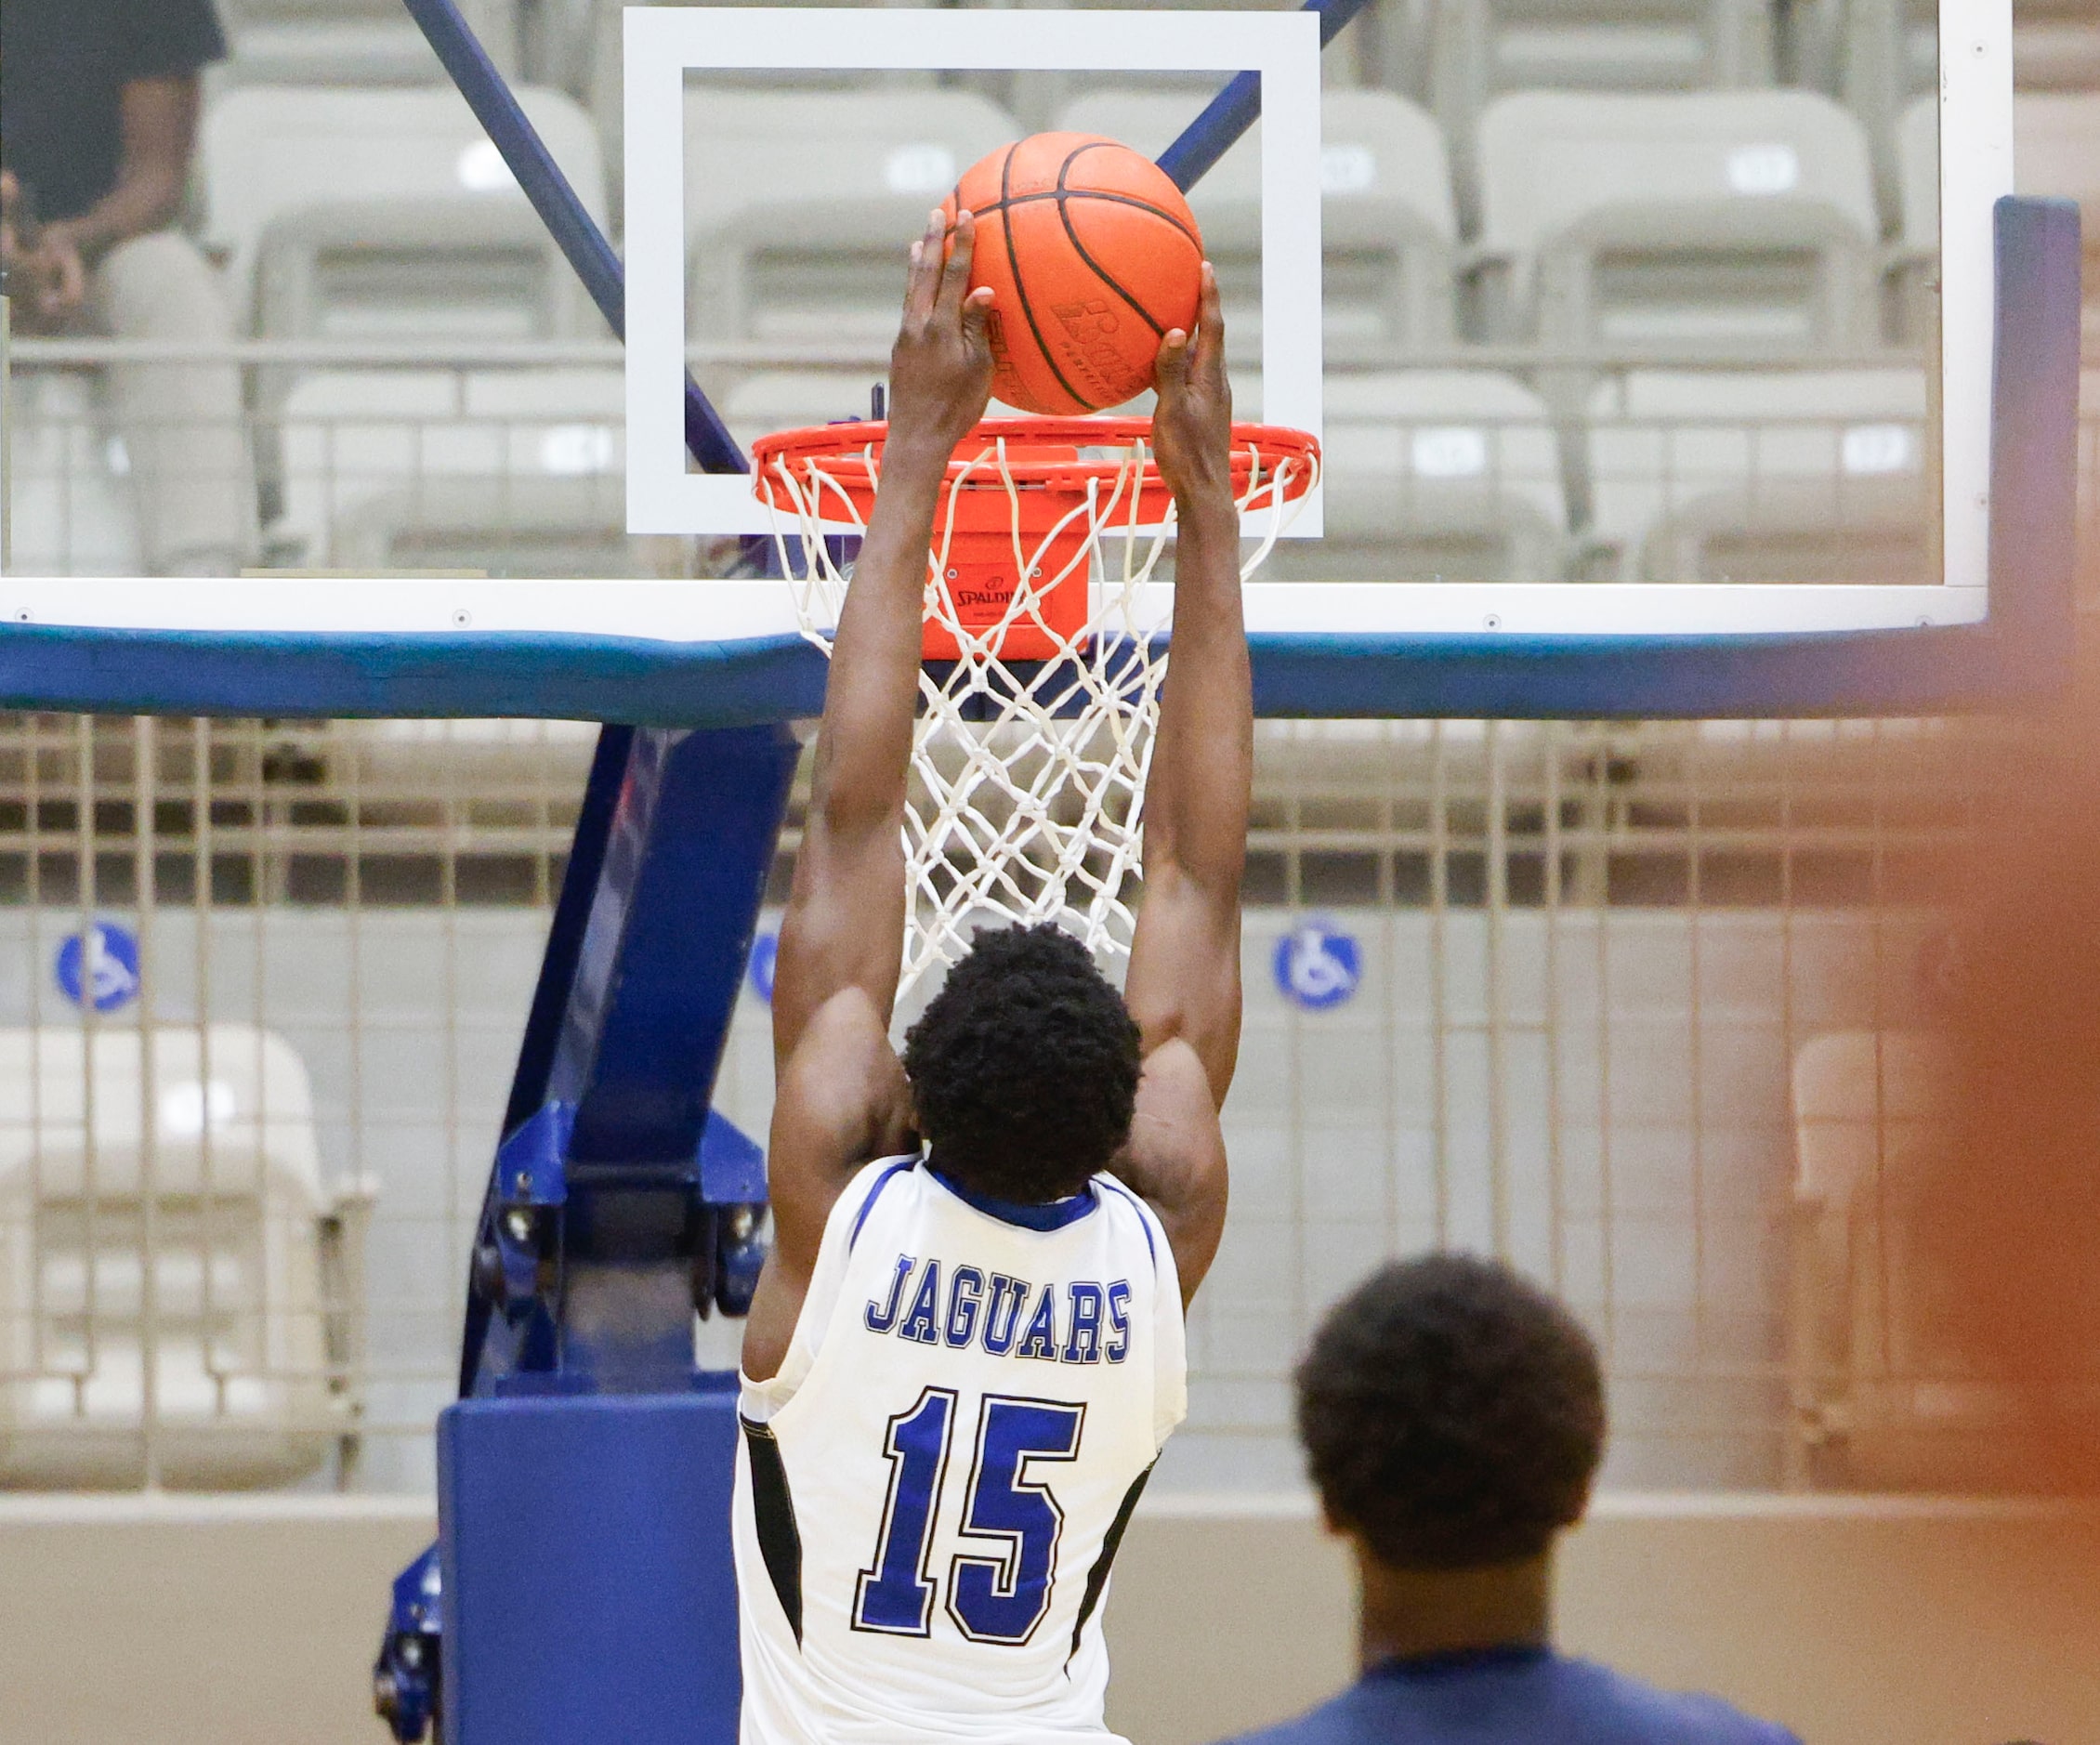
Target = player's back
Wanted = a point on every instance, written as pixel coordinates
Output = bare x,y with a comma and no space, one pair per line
1516,1696
935,1484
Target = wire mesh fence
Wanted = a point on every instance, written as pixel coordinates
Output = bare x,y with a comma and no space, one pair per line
1534,990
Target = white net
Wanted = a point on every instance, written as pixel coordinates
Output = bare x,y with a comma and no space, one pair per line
1028,787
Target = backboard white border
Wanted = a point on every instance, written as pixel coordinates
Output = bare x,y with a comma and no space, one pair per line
664,43
1976,171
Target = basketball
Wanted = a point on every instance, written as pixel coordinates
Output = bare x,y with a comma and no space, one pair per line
1094,257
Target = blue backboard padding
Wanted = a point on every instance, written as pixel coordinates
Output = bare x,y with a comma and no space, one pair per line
590,1594
1906,672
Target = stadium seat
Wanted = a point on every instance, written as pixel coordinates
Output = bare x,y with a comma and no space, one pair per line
246,1299
1432,476
513,472
1882,1395
1764,477
389,213
799,205
1733,222
349,42
1480,50
1388,226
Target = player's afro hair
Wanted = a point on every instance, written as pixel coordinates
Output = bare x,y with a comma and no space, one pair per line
1452,1414
1024,1067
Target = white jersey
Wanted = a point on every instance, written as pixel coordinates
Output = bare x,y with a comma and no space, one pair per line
935,1485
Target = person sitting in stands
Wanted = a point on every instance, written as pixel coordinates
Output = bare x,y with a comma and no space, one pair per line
98,104
1453,1418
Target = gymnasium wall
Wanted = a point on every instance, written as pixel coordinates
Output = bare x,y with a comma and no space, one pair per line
134,1620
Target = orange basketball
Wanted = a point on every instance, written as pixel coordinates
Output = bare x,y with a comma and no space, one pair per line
1093,255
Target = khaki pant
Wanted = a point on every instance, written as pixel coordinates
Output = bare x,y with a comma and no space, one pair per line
183,425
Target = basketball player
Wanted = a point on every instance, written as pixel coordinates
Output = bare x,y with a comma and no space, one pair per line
966,1347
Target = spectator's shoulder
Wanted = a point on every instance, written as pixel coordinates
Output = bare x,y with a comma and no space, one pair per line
1667,1717
1330,1723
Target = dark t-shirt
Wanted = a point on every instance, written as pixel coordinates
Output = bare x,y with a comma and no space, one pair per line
63,64
1515,1697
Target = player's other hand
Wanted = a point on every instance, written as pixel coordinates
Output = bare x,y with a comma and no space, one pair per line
1193,422
940,366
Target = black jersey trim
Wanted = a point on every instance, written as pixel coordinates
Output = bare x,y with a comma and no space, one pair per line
772,1508
1097,1576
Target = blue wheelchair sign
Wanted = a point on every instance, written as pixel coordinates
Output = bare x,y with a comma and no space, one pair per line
1317,965
765,955
101,965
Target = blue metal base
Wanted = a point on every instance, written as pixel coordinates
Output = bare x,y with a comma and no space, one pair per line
590,1598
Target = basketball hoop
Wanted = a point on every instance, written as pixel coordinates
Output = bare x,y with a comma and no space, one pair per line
1043,655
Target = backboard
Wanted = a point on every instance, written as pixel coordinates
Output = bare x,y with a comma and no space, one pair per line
1585,454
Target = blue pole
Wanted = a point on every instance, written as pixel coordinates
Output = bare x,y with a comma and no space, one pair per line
581,241
1236,109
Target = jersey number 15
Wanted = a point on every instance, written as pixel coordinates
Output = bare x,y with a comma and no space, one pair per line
1002,1597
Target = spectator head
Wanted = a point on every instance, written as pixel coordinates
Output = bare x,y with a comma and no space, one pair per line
1452,1415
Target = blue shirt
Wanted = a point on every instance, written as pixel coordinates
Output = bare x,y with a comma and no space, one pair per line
1515,1696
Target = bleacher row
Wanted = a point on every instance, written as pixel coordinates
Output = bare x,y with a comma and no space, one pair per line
1706,310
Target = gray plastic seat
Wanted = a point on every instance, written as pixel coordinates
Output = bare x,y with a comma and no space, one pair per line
1480,50
515,472
349,42
366,212
1389,228
800,204
1760,477
1433,475
1732,221
251,1336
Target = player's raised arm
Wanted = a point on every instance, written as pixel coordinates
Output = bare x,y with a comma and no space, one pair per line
1184,960
840,1097
845,922
1183,983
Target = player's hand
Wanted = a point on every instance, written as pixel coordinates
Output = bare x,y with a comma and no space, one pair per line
940,366
1193,422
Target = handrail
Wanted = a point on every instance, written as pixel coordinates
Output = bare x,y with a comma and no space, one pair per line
89,352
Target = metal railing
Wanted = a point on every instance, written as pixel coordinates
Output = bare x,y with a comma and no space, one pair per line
1558,977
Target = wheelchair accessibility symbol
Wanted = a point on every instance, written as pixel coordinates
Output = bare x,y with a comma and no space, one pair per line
1317,967
101,965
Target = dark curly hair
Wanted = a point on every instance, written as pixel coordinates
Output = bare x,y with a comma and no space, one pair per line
1024,1067
1452,1414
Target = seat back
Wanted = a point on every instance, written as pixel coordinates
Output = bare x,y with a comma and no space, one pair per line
1388,222
1480,50
520,472
1743,220
160,1261
349,42
363,212
1780,475
1435,475
798,203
